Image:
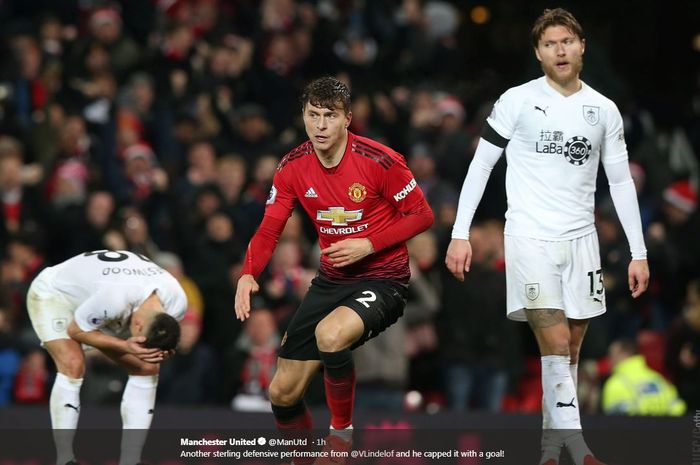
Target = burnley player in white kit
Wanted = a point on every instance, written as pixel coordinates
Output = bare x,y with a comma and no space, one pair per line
555,131
122,304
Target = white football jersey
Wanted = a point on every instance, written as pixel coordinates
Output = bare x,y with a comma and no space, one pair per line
107,286
555,145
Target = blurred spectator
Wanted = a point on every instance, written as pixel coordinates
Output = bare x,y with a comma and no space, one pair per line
105,30
171,263
245,211
683,348
252,133
383,364
201,170
21,206
98,218
10,358
477,366
422,306
191,376
435,189
286,279
144,177
441,196
452,149
136,232
674,249
29,93
625,316
635,389
24,261
253,362
216,253
31,381
67,209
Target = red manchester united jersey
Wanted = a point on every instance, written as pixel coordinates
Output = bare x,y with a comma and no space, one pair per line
369,189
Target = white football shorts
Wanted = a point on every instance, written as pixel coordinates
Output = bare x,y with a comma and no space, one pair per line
49,310
562,275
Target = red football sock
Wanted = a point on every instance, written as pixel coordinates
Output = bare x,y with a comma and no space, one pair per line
339,379
295,422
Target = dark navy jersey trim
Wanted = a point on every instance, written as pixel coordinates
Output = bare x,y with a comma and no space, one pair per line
489,134
373,154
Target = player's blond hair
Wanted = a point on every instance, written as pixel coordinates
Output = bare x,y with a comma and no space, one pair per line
555,17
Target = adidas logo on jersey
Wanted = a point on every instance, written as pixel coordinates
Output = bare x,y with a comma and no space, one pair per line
311,193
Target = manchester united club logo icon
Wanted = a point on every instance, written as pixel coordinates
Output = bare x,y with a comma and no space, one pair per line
532,290
357,192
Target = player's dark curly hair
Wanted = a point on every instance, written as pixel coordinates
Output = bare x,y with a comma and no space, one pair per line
164,333
555,17
327,92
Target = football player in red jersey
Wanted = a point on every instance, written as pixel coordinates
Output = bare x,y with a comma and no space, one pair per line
365,204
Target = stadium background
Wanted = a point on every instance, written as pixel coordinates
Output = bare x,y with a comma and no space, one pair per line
156,125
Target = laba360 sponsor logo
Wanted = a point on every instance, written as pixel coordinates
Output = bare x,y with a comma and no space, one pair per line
576,150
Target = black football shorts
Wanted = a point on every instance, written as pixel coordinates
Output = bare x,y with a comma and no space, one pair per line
378,302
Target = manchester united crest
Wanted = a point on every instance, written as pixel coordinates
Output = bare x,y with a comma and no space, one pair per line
357,192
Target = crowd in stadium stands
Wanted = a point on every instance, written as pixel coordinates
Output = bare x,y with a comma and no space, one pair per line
156,126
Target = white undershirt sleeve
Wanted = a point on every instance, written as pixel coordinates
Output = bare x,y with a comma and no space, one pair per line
624,197
485,158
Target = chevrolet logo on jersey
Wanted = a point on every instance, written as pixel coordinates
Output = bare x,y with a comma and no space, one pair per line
338,216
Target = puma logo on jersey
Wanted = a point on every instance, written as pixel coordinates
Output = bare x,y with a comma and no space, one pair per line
77,409
597,299
543,110
570,404
311,193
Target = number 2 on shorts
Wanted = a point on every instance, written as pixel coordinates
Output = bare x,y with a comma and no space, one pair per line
371,297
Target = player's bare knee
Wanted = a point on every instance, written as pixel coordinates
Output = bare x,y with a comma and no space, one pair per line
555,345
559,348
73,366
283,394
329,337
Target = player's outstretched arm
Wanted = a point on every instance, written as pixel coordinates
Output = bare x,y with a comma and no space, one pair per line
459,257
638,277
245,287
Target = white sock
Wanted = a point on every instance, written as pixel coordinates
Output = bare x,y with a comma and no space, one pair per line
559,394
561,402
64,406
138,401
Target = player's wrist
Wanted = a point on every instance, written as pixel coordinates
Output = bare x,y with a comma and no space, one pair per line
370,246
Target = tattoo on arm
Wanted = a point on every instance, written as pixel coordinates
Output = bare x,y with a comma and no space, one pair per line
544,318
